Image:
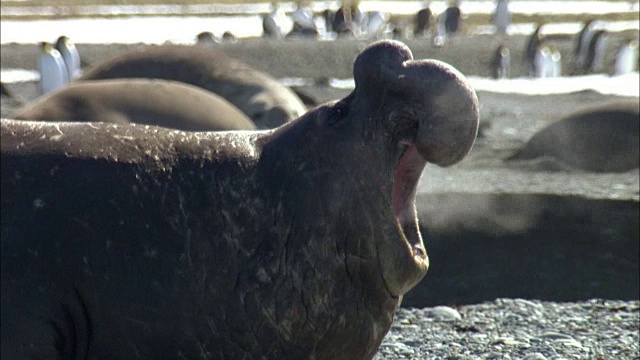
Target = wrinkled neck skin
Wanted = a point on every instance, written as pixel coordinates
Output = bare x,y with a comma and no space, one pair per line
337,244
338,204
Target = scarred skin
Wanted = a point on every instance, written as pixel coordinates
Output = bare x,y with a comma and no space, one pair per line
295,243
262,98
169,104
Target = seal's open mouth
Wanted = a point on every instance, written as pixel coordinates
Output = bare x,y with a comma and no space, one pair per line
403,196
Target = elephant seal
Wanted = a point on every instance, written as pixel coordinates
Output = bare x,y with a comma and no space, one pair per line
597,139
265,101
123,241
169,104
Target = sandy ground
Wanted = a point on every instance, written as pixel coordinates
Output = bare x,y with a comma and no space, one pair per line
498,222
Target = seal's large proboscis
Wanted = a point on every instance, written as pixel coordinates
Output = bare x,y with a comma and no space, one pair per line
266,101
126,241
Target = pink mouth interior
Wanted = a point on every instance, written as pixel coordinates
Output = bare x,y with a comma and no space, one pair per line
405,182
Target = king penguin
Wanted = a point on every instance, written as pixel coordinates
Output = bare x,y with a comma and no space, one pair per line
70,55
452,17
583,39
542,63
626,58
502,17
556,61
206,38
273,24
532,48
423,20
501,63
595,53
53,72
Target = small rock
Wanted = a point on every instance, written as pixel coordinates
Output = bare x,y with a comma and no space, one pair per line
555,336
534,356
443,313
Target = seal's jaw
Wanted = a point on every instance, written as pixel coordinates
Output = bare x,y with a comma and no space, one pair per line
403,193
402,256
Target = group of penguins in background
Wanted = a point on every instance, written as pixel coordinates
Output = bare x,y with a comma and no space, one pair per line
542,57
350,21
59,64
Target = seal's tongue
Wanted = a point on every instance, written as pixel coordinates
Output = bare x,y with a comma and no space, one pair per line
405,181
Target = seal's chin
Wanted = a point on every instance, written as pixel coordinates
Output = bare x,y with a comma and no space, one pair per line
403,195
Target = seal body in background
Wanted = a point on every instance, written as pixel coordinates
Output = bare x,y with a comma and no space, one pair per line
297,242
262,98
169,104
603,138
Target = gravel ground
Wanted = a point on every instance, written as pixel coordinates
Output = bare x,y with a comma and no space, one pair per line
517,329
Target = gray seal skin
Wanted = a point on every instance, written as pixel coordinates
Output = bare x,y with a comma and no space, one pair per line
125,241
262,98
604,138
163,103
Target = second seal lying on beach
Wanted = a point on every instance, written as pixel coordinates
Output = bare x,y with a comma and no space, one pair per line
262,98
169,104
602,138
123,241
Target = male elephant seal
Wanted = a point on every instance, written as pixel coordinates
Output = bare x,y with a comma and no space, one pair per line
163,103
599,139
120,241
267,102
